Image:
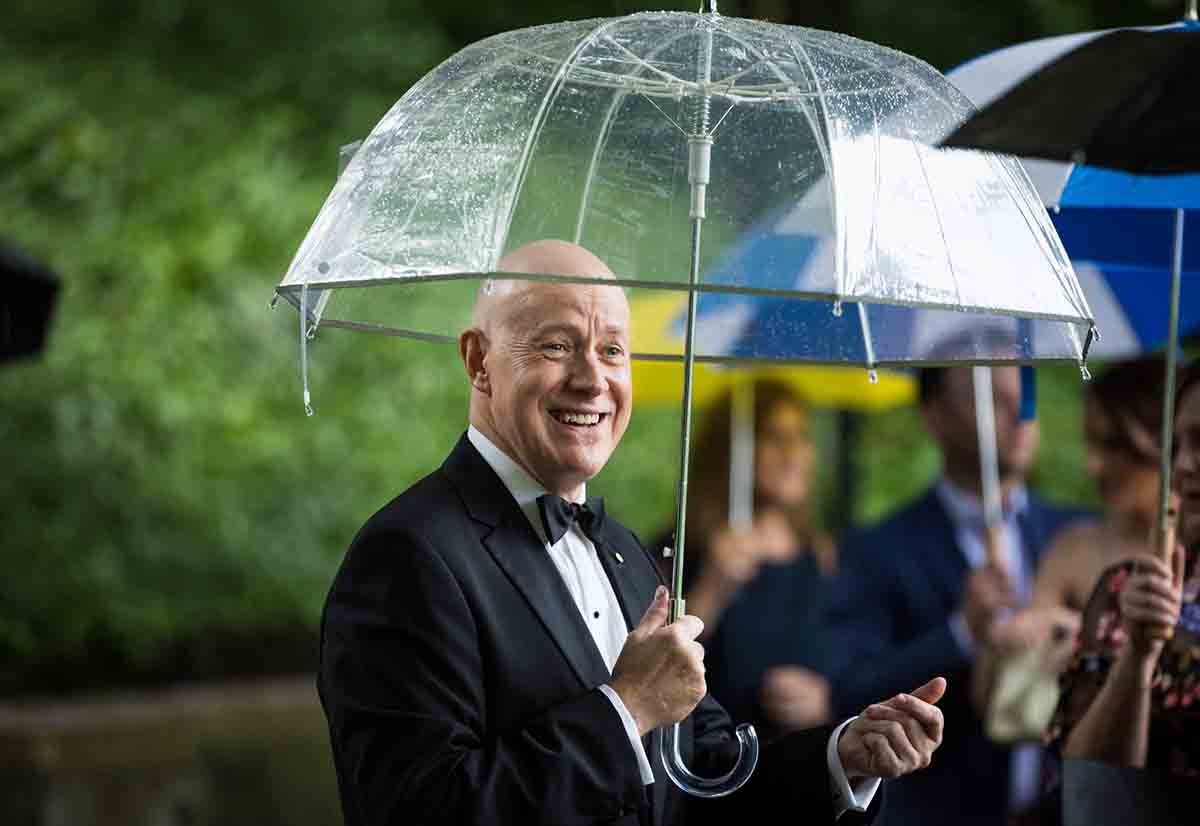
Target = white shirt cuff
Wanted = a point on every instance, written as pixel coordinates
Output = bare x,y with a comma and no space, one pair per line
631,730
847,798
962,634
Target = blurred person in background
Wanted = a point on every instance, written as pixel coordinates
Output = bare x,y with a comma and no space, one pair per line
761,589
1121,425
916,595
1130,698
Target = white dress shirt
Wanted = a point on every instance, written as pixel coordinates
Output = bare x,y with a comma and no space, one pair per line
577,562
966,514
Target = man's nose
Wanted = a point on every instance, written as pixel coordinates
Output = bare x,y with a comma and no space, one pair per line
587,374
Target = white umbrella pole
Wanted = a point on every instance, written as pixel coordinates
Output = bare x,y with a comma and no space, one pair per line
1165,535
1191,13
989,465
741,454
699,157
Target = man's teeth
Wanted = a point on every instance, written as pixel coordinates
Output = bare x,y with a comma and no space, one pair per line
577,418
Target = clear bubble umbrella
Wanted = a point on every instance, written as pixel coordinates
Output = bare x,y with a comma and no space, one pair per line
657,141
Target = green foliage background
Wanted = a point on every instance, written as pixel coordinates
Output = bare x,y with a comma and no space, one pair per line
161,483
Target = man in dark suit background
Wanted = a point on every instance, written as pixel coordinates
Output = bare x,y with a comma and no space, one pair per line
917,596
495,648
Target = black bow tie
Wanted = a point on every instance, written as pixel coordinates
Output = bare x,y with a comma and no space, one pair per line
558,515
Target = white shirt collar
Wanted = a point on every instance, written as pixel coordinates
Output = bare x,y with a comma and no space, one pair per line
964,507
523,487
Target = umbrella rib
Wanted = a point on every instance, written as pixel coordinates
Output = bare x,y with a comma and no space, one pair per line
539,122
721,119
618,99
937,214
671,120
442,102
1070,287
825,147
288,290
641,61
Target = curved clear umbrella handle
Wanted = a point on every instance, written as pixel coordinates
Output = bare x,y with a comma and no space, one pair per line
698,786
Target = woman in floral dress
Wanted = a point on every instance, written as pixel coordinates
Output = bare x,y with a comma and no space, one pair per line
1129,698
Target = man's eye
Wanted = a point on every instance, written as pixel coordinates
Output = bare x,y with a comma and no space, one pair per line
555,347
613,351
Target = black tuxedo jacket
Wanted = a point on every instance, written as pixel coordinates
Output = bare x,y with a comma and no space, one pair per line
461,684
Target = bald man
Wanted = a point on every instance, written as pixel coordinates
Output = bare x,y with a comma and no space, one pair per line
495,648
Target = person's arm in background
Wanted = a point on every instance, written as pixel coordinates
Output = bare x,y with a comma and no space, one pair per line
732,557
1115,728
1048,620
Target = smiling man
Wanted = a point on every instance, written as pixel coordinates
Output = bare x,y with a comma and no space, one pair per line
495,648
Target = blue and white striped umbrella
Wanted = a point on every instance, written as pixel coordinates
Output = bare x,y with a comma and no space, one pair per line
1117,228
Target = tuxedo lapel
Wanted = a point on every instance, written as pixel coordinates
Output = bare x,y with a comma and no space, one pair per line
516,548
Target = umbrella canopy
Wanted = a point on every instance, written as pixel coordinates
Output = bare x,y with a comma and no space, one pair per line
1117,227
579,131
1142,120
658,141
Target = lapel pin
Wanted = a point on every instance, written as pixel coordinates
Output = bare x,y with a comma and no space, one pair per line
620,559
668,552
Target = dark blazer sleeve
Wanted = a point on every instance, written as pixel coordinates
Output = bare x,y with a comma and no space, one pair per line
877,655
792,781
401,679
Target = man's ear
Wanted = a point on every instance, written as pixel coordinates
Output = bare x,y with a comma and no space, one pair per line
473,347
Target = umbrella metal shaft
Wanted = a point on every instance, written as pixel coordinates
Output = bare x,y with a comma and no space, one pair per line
677,607
1168,411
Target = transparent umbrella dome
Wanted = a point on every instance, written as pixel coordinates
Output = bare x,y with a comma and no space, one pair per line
818,153
770,174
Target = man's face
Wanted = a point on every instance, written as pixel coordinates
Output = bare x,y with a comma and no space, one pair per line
561,392
951,415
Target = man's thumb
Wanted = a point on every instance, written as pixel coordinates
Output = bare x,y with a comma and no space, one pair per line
932,691
656,613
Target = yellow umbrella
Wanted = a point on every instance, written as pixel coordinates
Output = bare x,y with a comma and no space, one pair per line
661,382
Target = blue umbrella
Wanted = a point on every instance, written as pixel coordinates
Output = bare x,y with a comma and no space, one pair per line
1118,228
757,329
1129,217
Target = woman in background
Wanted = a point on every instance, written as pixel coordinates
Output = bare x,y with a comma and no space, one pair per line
1122,420
761,588
1130,698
